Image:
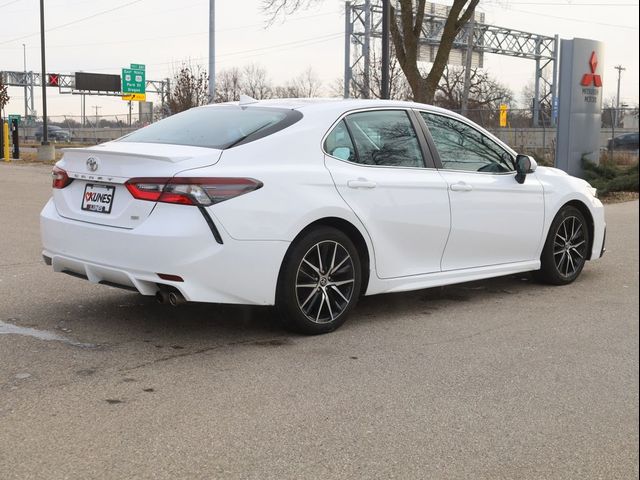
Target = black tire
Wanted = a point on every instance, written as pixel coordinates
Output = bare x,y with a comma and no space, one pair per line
566,248
312,297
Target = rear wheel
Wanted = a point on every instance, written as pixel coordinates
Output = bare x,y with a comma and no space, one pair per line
566,249
320,282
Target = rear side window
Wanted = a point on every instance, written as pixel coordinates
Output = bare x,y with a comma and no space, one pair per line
216,127
338,143
385,138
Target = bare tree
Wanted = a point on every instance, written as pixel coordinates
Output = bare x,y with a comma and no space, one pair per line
189,89
406,29
485,92
4,96
229,84
305,85
256,84
399,89
528,94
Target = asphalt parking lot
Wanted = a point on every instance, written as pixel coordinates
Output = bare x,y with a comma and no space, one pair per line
499,379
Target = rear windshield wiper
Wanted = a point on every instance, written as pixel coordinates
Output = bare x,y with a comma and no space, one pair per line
244,137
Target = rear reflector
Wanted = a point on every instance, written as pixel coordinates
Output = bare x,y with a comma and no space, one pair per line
60,178
170,278
190,190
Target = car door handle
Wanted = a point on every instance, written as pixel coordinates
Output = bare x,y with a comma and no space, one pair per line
361,183
461,187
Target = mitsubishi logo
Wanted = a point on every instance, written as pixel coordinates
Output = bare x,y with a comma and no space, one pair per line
92,164
589,79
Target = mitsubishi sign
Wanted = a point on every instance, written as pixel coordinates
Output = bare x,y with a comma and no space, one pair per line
580,103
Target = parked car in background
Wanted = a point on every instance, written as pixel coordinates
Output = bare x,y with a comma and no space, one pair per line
625,141
56,134
310,204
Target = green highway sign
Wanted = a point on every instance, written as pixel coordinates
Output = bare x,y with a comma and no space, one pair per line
15,117
134,83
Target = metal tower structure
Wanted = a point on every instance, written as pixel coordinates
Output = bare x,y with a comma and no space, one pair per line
363,26
66,84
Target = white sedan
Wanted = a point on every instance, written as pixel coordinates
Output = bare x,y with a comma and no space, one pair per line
309,204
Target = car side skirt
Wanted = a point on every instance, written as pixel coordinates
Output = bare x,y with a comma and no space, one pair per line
417,282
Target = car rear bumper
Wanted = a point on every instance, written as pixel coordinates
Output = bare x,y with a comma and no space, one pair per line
174,240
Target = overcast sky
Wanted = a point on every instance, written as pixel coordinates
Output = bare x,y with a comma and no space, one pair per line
163,33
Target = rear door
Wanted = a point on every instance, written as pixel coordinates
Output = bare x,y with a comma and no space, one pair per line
381,169
97,193
494,219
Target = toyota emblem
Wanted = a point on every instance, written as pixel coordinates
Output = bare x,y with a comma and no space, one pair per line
92,164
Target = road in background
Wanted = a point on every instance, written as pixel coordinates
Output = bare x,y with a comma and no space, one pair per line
494,379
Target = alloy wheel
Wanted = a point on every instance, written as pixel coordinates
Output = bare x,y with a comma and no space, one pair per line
324,281
570,246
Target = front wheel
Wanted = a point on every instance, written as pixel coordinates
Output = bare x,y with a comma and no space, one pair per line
566,248
320,282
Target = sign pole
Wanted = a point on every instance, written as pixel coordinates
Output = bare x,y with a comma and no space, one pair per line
212,51
43,78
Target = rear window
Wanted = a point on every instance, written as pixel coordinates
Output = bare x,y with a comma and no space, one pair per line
216,127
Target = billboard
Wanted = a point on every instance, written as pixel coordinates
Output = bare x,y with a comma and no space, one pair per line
458,54
97,82
580,103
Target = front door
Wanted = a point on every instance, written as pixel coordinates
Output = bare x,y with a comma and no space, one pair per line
494,219
378,166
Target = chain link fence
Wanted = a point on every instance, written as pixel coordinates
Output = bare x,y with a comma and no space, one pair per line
520,131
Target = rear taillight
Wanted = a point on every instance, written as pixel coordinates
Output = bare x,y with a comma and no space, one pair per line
190,191
60,178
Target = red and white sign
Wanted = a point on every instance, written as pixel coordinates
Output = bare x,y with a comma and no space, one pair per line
592,79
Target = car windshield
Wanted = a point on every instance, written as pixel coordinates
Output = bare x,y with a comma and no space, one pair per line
216,127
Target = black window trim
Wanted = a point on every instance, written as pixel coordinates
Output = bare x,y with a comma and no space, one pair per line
434,150
427,158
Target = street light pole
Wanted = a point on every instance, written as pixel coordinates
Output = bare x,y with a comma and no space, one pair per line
43,78
212,51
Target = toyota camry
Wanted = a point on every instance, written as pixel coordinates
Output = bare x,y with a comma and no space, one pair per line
309,204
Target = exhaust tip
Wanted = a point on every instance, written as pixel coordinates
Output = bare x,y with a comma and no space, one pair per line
162,297
175,299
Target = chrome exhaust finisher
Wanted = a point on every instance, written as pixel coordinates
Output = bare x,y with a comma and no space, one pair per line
162,297
176,298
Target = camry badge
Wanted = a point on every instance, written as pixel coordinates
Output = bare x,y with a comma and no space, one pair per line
92,164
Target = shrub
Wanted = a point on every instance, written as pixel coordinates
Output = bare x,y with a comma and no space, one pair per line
611,178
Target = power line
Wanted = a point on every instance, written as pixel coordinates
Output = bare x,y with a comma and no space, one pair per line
251,53
73,22
571,4
9,3
571,19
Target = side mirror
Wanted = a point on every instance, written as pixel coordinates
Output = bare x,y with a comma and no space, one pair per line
524,164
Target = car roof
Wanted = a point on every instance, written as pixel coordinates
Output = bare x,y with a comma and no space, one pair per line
337,105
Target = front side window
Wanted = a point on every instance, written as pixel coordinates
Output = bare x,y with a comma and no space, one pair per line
385,138
462,147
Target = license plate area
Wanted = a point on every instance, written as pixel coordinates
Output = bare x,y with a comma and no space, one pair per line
98,198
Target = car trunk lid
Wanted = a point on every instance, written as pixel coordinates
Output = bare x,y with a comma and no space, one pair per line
98,193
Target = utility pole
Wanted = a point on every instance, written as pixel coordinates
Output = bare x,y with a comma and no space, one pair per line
468,64
97,108
386,30
26,100
620,69
347,48
212,51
